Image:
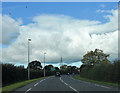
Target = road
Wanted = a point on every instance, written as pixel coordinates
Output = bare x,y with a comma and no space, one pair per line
64,84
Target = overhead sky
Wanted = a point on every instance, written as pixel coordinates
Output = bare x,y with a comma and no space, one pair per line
61,29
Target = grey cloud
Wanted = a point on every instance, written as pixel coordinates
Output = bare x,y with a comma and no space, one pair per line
10,29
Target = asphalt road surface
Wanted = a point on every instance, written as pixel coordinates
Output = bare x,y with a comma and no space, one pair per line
65,84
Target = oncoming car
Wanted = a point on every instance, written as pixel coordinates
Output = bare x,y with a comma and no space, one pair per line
57,74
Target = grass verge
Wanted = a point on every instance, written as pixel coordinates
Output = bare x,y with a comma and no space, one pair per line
97,82
14,86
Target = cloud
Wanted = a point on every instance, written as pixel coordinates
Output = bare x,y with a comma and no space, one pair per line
102,11
10,29
110,26
102,5
60,35
77,64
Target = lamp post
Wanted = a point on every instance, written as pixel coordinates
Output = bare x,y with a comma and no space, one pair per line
44,64
28,60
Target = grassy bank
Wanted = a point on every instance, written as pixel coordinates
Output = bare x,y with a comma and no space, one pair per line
97,82
14,86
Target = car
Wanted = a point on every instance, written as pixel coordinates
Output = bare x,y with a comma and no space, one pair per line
68,73
57,74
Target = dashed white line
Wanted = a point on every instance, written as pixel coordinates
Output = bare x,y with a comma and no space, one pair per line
41,81
68,85
36,84
28,90
44,79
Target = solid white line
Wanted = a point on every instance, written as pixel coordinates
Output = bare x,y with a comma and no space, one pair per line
78,80
102,86
92,83
73,89
28,90
68,85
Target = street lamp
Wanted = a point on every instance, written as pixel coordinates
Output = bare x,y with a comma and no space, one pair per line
28,60
44,64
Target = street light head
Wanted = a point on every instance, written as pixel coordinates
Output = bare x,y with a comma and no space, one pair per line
29,39
44,53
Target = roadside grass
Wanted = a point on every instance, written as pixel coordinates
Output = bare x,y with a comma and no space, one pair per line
97,82
14,86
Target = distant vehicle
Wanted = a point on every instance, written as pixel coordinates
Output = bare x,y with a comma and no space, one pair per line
57,74
68,73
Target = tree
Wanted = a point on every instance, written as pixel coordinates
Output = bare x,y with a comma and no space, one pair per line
63,67
35,65
95,57
56,68
48,67
72,69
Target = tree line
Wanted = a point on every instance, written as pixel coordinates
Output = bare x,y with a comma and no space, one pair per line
96,66
12,73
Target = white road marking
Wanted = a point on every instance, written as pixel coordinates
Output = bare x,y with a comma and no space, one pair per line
68,85
80,80
44,79
73,89
36,84
41,80
101,86
28,90
91,83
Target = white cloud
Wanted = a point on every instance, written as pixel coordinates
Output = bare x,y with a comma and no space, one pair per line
60,35
10,29
102,11
110,26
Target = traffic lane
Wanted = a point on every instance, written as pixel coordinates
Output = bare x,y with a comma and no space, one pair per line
85,86
28,86
52,85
